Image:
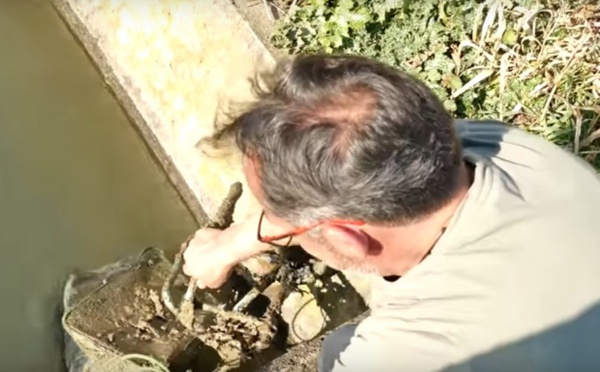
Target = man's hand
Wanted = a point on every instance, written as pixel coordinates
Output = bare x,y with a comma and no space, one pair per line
212,253
208,257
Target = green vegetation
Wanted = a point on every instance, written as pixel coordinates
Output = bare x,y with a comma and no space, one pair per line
532,63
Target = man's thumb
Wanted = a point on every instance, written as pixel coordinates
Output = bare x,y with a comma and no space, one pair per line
200,285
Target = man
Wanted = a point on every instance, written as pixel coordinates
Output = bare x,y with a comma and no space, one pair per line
484,238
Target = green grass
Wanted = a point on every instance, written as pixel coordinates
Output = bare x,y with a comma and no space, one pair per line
535,64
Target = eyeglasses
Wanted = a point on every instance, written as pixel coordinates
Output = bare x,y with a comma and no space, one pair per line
298,231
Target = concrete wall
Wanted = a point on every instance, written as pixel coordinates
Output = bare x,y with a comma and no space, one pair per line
173,63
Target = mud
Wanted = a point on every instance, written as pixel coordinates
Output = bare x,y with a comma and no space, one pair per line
303,357
123,313
119,311
130,307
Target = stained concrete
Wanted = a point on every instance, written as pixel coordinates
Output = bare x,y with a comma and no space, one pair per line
262,20
176,62
78,186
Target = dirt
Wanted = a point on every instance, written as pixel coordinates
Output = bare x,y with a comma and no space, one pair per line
187,314
124,314
148,319
304,357
121,312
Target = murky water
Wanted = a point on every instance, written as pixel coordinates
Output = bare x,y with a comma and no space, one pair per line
78,188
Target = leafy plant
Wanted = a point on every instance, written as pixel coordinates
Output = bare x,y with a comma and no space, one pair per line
321,26
531,63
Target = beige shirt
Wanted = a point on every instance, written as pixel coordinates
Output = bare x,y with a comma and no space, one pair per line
513,284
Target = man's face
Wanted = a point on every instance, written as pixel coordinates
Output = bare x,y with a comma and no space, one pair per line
313,242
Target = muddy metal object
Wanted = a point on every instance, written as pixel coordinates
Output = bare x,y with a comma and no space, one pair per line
239,334
236,336
223,219
128,308
304,357
117,311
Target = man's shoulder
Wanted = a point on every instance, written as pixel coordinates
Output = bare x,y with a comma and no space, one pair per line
516,150
491,131
466,123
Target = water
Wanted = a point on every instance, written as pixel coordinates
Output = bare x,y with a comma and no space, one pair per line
78,187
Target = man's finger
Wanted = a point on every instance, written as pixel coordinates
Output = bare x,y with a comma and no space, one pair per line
187,270
193,250
200,285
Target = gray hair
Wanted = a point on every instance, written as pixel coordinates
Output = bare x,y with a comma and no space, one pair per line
347,137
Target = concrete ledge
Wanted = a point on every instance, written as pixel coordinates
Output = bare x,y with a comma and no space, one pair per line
172,63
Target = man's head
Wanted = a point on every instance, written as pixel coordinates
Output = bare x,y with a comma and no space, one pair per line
347,138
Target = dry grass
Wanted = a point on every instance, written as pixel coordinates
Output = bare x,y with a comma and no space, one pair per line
543,65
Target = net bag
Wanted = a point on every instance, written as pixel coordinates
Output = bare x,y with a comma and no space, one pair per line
114,320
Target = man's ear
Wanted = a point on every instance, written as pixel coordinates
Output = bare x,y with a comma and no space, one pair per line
352,241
